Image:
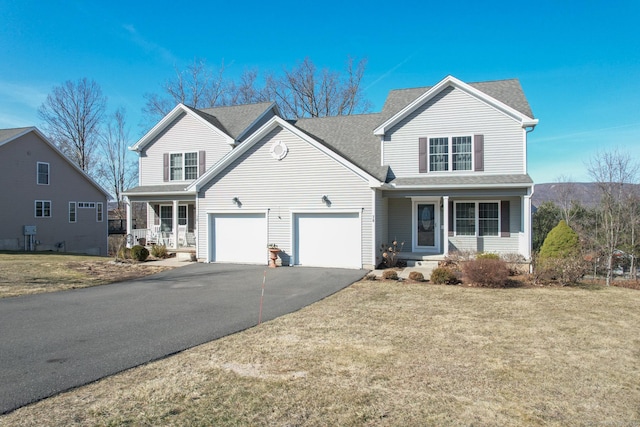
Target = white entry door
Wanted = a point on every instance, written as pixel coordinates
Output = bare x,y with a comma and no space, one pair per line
328,240
238,238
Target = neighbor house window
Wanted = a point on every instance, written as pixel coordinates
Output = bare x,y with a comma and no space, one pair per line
450,153
99,212
477,218
43,173
43,208
183,166
72,212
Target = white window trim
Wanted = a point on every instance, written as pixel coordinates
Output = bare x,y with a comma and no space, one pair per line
35,209
99,212
477,217
75,212
38,173
450,152
183,167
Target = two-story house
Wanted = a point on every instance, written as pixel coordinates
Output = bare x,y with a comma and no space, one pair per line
441,168
47,203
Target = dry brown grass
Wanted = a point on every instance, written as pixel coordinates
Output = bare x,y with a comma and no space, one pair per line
386,353
32,273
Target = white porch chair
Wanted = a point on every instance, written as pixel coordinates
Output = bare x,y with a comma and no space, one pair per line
182,235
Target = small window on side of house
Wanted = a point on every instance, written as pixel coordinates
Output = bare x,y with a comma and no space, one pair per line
99,214
72,212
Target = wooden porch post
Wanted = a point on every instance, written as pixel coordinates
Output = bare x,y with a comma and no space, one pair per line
445,222
174,226
127,204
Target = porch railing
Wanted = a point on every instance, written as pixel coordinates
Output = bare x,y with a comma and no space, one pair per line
149,236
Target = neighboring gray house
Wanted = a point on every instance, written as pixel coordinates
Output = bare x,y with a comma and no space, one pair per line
441,168
46,201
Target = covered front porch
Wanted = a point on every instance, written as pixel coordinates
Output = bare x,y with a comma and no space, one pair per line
171,218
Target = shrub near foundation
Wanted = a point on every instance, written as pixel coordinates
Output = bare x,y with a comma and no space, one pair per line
139,253
443,276
486,272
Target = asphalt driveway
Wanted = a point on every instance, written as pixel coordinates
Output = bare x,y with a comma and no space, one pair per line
53,342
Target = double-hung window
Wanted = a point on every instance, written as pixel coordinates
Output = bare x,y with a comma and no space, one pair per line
43,208
183,166
43,173
477,218
73,215
450,153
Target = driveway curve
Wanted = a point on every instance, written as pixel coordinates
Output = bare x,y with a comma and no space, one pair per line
54,342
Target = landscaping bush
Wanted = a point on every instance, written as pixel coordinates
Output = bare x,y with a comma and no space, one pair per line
390,275
487,255
443,276
124,253
559,258
486,272
139,253
390,254
370,276
416,276
159,251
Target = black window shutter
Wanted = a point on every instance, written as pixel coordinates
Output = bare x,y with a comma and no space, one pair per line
504,219
478,148
201,162
451,218
422,155
165,166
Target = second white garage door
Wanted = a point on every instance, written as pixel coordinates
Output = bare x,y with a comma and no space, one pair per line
328,240
239,238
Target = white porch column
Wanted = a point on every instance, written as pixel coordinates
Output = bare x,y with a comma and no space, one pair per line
127,204
445,224
525,245
174,226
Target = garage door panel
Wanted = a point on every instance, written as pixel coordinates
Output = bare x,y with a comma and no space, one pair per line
239,238
328,240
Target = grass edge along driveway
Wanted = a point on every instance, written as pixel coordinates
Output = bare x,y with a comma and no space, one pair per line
386,353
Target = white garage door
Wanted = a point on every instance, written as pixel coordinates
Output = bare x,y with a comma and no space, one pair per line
328,240
239,238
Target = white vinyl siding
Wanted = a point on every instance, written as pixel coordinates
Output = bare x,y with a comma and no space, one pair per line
281,187
185,131
456,113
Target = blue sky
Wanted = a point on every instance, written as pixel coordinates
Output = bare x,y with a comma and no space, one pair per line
578,62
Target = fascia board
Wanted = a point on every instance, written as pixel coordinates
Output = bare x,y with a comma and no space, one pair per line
456,187
61,154
24,132
273,107
450,80
160,193
166,120
259,134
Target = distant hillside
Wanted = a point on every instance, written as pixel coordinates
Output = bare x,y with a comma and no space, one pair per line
585,192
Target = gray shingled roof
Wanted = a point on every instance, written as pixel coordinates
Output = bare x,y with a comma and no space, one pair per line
462,180
6,134
350,136
166,188
235,119
508,92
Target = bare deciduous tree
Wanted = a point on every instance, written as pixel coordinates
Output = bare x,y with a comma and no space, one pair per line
73,114
567,198
197,86
116,170
306,92
303,91
614,173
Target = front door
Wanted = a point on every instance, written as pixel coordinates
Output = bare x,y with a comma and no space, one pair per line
426,226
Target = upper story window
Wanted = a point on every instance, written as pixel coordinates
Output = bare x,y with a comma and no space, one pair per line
43,173
183,166
451,153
